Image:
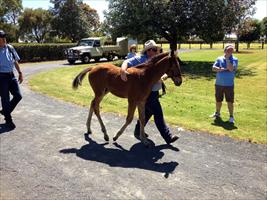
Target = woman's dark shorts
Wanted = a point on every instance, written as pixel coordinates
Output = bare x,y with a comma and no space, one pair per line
227,91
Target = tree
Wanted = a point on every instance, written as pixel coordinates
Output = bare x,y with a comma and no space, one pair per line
9,13
238,11
264,27
35,23
172,20
211,13
145,19
57,6
74,20
90,17
251,31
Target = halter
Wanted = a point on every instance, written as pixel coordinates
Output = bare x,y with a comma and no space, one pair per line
171,72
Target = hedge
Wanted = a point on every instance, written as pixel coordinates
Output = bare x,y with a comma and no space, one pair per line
32,52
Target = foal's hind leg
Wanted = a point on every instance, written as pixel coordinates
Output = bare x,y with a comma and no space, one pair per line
89,119
129,118
96,103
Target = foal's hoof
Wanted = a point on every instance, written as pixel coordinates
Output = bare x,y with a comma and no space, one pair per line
106,138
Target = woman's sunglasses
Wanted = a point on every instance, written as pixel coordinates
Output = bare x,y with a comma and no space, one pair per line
153,49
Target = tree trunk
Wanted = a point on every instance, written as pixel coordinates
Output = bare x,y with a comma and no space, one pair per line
173,43
173,46
237,43
211,45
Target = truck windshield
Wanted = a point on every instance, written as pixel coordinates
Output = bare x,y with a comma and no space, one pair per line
86,43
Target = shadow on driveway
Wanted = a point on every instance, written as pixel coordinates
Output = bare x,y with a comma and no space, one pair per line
4,128
137,157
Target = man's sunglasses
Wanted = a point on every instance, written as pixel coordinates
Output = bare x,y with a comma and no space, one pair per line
153,49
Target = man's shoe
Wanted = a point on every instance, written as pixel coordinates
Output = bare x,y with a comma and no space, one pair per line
137,136
10,125
173,139
232,120
215,115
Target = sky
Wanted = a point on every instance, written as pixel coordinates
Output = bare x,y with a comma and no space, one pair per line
101,5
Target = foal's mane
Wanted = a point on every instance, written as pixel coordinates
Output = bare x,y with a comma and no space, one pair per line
153,60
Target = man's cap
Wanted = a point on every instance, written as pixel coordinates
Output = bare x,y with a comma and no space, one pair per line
2,34
228,46
149,44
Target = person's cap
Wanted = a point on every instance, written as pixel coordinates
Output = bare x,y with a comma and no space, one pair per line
228,46
2,34
149,45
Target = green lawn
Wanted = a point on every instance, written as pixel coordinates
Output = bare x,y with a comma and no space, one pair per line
190,104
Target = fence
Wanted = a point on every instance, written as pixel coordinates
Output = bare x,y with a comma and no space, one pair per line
217,45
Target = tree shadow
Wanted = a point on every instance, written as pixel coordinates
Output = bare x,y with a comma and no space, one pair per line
225,124
116,62
137,157
244,52
200,69
77,63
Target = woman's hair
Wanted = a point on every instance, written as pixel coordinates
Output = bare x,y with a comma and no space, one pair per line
133,46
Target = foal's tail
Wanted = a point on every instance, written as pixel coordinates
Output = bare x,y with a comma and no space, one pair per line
79,78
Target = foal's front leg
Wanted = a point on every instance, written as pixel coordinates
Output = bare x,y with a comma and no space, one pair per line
141,112
129,119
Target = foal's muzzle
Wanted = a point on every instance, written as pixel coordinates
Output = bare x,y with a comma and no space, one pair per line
177,81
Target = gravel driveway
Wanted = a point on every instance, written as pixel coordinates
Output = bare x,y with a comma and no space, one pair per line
49,156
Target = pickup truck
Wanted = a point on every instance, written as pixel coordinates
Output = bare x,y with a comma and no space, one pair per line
91,48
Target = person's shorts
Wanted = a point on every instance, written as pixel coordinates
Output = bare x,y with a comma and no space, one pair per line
227,91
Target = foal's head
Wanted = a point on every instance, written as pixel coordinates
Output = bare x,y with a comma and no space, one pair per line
173,70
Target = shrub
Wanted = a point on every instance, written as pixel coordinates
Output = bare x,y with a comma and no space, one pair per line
31,52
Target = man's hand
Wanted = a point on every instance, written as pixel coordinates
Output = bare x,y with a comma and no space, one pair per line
124,75
218,69
230,66
222,69
20,78
164,77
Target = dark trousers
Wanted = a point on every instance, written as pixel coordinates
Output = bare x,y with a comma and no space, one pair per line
9,83
153,107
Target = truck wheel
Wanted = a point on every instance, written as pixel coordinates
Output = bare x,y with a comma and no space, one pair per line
86,59
110,57
71,62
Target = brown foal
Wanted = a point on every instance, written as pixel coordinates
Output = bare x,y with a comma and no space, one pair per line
106,78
